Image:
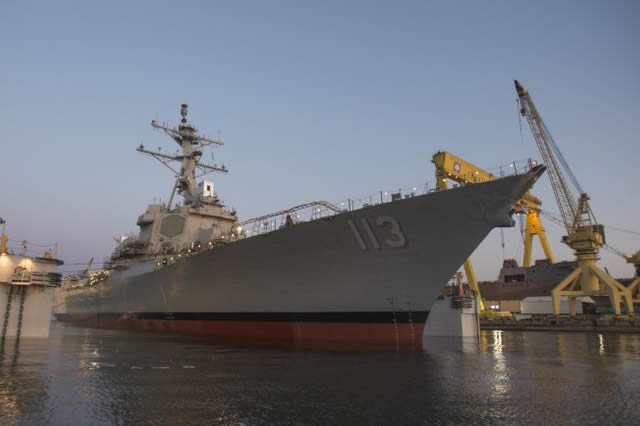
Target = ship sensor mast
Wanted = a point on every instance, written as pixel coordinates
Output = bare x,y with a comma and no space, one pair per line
186,136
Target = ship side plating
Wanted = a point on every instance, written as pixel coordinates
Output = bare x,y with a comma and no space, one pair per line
368,275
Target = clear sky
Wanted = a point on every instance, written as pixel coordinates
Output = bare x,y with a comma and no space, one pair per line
314,100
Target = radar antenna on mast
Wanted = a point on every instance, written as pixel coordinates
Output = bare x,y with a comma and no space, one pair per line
186,136
184,109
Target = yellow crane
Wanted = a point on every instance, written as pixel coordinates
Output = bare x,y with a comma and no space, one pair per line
634,259
3,237
635,285
584,235
451,167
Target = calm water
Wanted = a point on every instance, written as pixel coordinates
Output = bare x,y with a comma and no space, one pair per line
87,376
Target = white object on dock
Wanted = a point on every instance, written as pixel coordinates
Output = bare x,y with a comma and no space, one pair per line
27,286
457,316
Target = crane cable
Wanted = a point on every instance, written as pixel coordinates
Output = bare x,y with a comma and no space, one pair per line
519,119
558,154
627,231
554,218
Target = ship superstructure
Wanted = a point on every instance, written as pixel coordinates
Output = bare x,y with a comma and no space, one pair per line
200,221
350,277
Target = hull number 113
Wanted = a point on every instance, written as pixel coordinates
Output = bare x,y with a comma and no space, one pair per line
366,237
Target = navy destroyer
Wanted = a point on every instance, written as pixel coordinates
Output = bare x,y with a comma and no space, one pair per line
354,276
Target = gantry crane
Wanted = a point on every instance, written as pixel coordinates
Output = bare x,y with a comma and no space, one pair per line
584,235
634,259
452,167
634,287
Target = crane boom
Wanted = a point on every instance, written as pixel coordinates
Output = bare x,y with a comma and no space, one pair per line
544,141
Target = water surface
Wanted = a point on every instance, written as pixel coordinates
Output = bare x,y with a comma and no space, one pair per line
103,377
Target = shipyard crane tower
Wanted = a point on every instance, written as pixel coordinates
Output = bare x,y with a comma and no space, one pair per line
635,285
584,235
634,259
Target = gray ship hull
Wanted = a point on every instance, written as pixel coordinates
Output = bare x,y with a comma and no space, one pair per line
368,276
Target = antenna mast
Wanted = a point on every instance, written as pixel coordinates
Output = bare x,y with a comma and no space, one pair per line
186,136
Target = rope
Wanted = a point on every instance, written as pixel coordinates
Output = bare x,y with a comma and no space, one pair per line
30,243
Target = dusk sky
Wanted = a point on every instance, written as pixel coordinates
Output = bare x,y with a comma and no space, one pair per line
314,100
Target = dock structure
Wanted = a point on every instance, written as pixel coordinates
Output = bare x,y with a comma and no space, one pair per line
27,287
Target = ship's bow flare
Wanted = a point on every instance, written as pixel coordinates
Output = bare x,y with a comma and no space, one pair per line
507,192
529,179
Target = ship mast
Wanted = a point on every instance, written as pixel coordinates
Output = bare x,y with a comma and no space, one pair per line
186,136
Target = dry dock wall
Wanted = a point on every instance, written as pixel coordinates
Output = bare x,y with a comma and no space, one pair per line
602,324
36,314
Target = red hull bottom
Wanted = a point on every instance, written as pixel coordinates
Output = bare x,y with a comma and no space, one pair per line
291,335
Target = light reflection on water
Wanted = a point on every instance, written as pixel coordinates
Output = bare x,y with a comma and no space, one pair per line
88,376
